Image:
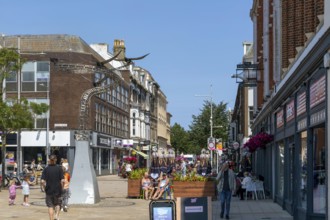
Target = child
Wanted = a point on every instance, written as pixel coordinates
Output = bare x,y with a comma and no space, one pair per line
26,190
66,190
12,192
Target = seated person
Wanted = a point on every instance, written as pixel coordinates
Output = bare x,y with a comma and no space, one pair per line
244,183
26,169
162,186
147,186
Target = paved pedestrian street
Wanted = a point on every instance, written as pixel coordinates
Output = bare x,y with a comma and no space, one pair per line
115,205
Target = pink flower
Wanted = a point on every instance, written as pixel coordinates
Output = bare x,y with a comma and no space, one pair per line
260,140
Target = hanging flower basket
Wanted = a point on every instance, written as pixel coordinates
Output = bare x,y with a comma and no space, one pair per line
130,159
260,140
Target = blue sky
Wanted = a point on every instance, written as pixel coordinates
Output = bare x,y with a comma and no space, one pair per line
192,44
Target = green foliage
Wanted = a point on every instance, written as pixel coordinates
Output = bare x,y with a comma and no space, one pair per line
14,114
192,177
9,62
179,138
39,109
137,173
193,140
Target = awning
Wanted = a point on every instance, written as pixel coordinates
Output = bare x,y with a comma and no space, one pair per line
141,153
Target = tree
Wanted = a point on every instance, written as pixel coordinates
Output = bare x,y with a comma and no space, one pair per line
200,129
179,138
15,114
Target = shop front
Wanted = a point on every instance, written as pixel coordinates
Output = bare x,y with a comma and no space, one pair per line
300,146
33,146
299,150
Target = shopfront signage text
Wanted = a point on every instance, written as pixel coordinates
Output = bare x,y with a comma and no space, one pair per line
279,119
302,124
318,117
317,92
103,141
290,111
301,103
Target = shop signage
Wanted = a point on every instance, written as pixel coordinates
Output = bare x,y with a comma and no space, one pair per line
128,142
318,117
279,119
63,125
301,103
302,124
211,143
317,92
103,141
290,111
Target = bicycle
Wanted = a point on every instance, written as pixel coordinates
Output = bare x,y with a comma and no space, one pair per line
9,177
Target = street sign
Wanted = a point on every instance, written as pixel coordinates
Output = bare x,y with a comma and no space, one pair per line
211,143
236,145
219,146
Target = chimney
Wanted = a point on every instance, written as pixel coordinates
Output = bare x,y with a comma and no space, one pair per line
119,45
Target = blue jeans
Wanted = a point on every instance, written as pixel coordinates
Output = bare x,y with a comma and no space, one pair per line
225,197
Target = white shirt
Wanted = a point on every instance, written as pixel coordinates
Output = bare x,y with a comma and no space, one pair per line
245,181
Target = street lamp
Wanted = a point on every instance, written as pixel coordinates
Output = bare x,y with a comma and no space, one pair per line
47,129
47,151
211,122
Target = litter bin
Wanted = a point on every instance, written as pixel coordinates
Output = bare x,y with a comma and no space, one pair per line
196,208
162,210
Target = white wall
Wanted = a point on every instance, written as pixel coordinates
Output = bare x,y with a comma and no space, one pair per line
38,138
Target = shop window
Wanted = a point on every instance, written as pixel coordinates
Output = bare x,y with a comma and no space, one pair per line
319,172
280,169
11,82
35,76
303,170
291,168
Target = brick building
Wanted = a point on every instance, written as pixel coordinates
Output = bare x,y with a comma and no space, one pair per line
62,70
291,47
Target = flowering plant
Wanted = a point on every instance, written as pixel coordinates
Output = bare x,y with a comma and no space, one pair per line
260,140
130,159
179,158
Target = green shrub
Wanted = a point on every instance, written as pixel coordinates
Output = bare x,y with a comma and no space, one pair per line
137,173
192,177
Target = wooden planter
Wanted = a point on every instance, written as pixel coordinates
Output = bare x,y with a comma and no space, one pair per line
193,189
133,187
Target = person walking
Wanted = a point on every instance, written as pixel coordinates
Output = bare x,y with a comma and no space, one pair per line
53,179
66,190
226,186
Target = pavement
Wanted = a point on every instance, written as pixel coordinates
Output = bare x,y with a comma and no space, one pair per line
115,205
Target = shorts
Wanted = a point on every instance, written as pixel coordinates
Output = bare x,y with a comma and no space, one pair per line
53,200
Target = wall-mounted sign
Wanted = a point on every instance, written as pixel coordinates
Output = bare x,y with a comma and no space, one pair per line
317,92
302,124
103,141
128,142
317,117
290,110
279,119
62,125
301,103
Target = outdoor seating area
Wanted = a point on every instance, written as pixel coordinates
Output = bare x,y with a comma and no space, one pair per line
250,187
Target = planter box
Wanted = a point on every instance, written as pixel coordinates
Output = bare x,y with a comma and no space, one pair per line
133,187
194,189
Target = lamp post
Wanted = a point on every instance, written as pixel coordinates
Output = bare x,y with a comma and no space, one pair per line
47,128
211,121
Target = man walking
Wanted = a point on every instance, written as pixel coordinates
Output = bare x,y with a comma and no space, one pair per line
226,185
52,179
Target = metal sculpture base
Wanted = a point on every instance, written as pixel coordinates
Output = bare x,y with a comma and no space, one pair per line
83,185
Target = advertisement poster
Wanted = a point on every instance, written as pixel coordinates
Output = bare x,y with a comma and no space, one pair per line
162,213
39,157
10,157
